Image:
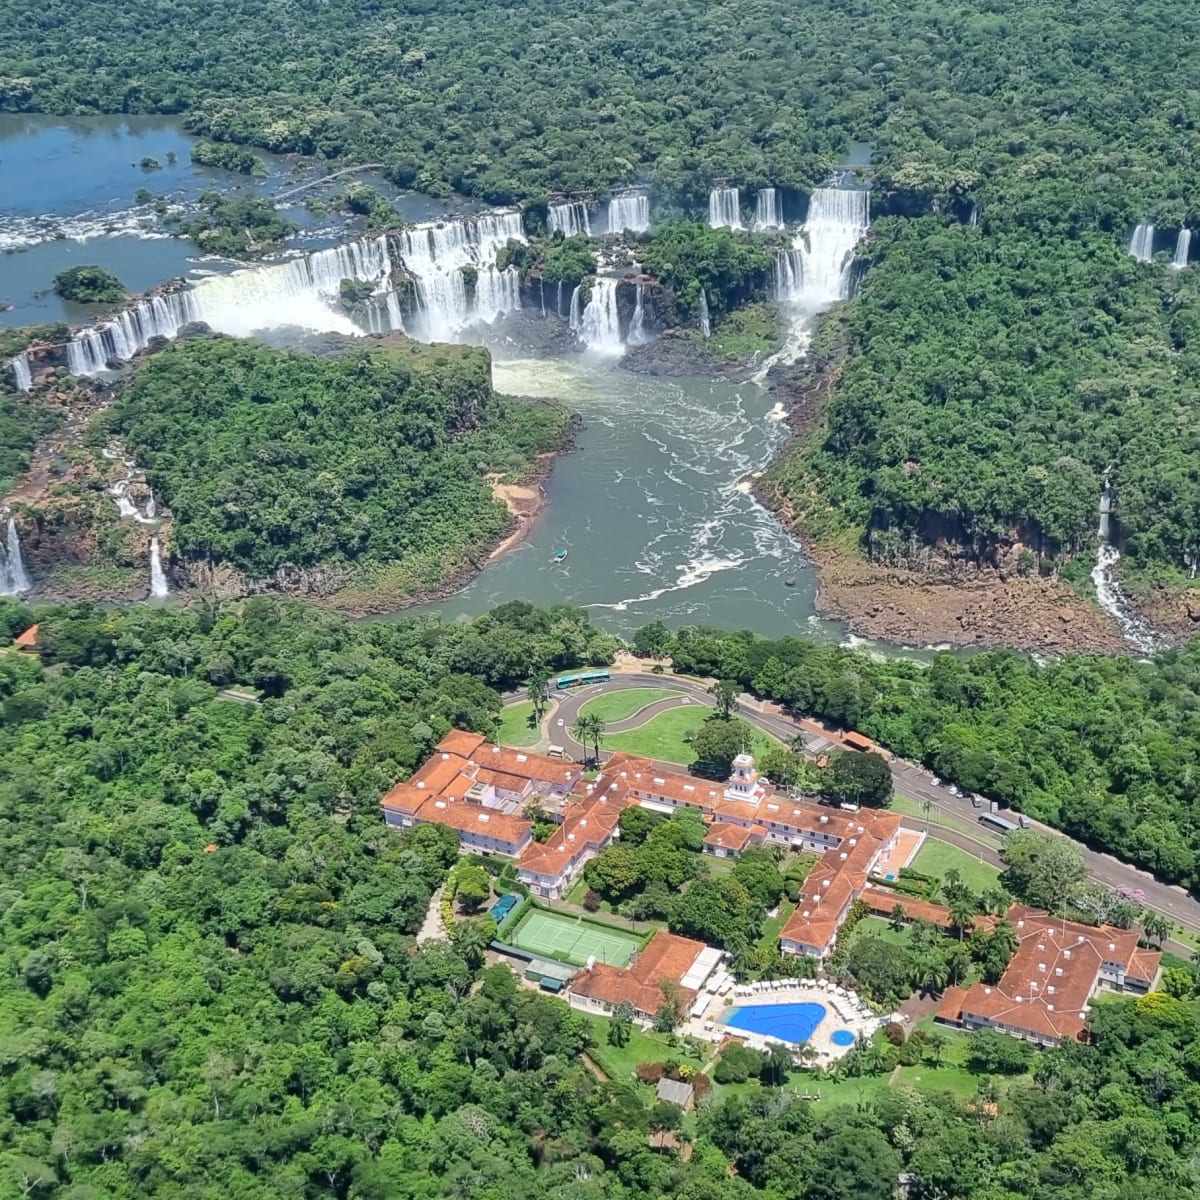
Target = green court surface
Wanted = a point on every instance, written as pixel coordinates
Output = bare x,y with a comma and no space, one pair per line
572,939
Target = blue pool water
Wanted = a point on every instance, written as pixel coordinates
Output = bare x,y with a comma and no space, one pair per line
842,1037
787,1022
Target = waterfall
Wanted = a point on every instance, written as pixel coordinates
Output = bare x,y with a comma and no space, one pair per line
151,508
22,376
158,580
974,218
705,324
724,208
570,219
542,295
436,255
637,327
575,319
816,271
1183,246
600,330
13,578
558,300
1109,594
768,214
1141,245
305,291
629,211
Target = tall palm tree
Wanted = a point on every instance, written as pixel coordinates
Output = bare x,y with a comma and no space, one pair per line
962,909
589,728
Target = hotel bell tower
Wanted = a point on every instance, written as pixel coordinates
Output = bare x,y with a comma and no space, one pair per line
744,784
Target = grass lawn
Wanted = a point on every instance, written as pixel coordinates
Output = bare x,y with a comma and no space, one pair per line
617,706
515,728
620,1062
772,926
879,927
936,858
667,736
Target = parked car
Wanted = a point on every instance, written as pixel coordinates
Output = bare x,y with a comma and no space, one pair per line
977,801
955,791
936,781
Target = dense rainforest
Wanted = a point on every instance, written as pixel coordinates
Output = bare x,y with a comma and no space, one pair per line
212,989
271,458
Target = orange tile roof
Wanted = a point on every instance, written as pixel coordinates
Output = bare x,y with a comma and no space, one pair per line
465,817
666,958
587,826
1048,984
733,837
883,900
459,742
27,639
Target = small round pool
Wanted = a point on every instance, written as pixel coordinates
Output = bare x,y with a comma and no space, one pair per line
842,1037
787,1022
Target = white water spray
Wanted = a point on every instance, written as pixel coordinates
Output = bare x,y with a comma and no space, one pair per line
13,577
575,314
570,219
705,323
629,212
158,579
768,212
724,208
22,376
305,291
1141,245
601,324
1183,247
637,327
1109,593
818,270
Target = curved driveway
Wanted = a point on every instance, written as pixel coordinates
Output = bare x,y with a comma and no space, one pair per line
909,780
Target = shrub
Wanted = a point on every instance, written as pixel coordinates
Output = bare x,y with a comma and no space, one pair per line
894,1032
650,1072
591,900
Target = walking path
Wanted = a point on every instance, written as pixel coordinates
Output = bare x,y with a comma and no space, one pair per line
432,929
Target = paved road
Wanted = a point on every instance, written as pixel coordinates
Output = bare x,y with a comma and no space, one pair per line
909,779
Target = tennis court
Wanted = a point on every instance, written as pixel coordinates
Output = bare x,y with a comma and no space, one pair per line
573,939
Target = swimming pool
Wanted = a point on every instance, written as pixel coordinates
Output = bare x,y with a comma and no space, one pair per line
787,1022
842,1037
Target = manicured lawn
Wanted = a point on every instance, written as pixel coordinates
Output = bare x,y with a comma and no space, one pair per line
772,926
643,1046
617,706
879,927
936,858
667,736
515,729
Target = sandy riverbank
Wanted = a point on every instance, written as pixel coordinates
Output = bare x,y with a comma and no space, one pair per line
524,502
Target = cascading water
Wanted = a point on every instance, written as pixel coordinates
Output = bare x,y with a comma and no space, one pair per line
305,291
1141,245
705,324
570,219
817,271
158,578
637,326
600,329
13,576
22,376
1183,247
725,208
768,213
1109,593
575,317
629,212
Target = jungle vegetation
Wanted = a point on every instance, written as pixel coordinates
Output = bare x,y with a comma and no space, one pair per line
89,285
212,988
271,458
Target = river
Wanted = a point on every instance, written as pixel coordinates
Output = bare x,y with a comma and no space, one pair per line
653,509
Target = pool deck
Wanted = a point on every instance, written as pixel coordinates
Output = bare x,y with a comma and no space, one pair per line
842,1011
